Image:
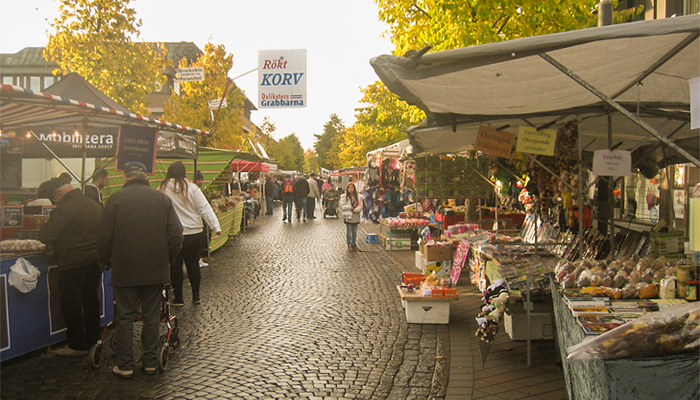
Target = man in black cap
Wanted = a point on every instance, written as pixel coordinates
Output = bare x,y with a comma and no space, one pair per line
72,232
139,236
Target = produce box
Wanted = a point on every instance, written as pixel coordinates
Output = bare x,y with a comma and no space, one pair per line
667,242
398,244
412,278
435,253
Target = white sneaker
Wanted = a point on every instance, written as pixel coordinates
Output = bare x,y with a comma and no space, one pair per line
202,264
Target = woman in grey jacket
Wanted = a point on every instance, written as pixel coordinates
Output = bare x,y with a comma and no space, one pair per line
351,204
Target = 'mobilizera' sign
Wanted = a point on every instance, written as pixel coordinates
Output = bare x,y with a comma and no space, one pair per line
281,78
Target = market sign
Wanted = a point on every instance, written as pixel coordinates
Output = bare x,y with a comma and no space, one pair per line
136,143
216,103
282,78
612,163
493,142
532,141
190,74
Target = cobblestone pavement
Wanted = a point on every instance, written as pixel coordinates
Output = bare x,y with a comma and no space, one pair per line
287,312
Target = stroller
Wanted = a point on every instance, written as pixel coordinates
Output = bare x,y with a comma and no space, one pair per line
168,341
331,209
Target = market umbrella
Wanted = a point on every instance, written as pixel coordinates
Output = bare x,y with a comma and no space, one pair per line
484,349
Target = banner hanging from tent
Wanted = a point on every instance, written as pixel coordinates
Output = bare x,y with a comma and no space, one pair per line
136,143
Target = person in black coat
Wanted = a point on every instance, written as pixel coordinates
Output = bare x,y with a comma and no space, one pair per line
139,236
301,192
72,232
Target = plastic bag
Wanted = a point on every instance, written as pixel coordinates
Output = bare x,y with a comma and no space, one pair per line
673,330
23,275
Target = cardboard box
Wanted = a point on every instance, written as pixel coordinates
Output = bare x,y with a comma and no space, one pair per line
414,278
450,292
435,253
440,268
437,292
398,244
667,242
541,327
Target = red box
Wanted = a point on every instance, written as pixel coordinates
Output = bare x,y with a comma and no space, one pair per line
437,292
450,292
412,278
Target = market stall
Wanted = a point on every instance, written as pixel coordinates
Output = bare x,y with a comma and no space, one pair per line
44,125
552,94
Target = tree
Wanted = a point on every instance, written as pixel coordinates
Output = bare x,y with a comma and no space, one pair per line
310,161
448,24
327,144
94,39
379,124
191,107
289,153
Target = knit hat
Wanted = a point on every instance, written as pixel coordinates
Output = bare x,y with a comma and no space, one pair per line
135,166
56,183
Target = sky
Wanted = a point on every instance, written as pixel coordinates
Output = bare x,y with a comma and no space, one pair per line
340,37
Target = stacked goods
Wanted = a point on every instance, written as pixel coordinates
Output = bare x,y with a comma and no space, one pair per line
495,299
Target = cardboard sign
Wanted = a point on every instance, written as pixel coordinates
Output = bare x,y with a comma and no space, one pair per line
533,141
612,163
136,143
282,79
493,142
12,216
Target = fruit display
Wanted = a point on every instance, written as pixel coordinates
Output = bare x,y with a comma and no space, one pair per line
627,279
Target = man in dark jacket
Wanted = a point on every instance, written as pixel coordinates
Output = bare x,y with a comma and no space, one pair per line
72,232
301,192
140,235
94,190
287,195
269,194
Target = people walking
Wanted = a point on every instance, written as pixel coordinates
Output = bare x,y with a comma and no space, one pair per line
351,207
191,207
301,192
72,232
269,193
314,194
287,198
139,236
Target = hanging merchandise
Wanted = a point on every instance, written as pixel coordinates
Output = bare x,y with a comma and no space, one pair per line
457,177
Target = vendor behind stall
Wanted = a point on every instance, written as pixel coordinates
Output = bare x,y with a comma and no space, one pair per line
72,231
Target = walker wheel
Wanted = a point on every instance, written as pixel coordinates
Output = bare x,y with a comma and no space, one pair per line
163,359
95,356
113,342
174,342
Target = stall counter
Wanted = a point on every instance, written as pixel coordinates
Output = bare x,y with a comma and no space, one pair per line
33,320
653,378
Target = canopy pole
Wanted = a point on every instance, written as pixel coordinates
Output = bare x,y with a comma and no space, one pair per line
580,190
82,176
611,190
619,108
55,156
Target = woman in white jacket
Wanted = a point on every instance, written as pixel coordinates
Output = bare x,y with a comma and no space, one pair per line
191,206
351,204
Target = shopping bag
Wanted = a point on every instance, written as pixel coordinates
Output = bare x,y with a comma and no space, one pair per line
23,275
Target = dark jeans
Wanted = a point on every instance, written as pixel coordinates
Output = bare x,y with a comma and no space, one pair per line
269,206
300,207
127,300
352,234
80,304
287,211
191,246
310,206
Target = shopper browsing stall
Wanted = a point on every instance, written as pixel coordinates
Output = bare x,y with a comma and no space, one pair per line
351,205
191,207
72,231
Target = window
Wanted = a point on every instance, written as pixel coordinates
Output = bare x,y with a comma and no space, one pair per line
8,80
48,81
34,83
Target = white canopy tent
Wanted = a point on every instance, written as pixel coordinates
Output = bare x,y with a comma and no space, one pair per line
392,151
626,83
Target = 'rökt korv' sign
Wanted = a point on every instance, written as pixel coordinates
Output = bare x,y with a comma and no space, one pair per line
282,78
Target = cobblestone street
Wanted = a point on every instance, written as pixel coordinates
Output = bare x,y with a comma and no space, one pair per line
287,312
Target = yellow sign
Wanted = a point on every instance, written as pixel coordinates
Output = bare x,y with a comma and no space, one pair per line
493,142
533,141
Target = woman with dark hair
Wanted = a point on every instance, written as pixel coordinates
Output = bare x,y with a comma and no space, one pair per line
191,207
351,205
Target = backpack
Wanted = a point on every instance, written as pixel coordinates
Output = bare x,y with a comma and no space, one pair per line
288,187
